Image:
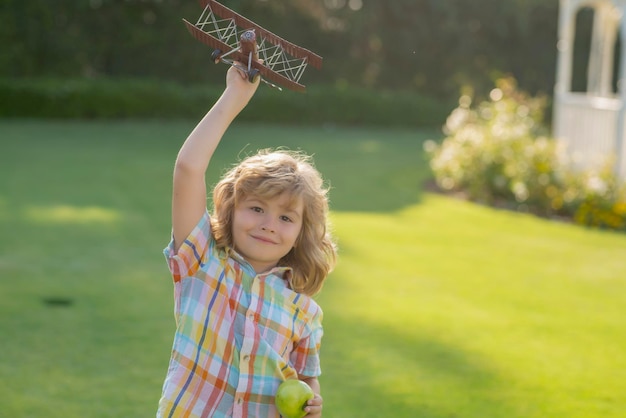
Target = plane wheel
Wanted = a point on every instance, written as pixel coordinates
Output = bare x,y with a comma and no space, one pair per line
253,75
216,56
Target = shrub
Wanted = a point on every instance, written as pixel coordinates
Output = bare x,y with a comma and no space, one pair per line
498,153
602,200
143,98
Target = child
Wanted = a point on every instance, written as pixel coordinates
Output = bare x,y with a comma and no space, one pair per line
244,276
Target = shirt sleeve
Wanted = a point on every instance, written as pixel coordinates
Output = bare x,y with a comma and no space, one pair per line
192,252
305,355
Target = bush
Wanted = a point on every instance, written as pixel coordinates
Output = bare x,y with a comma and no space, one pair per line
107,98
498,153
602,200
103,98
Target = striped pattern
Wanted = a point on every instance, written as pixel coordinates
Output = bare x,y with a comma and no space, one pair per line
238,335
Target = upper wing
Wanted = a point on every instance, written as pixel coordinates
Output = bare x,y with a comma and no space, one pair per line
244,23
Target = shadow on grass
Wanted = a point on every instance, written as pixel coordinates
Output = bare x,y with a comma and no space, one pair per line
390,372
368,170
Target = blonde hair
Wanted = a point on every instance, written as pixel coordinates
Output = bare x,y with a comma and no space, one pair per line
268,174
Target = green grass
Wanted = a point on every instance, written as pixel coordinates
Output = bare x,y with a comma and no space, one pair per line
438,308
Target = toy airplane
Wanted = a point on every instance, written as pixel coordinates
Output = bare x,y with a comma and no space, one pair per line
237,39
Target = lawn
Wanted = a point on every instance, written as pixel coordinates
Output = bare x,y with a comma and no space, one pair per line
438,307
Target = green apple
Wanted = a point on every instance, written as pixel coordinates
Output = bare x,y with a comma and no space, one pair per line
291,398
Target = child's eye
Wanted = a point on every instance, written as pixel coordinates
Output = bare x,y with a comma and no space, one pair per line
286,218
256,209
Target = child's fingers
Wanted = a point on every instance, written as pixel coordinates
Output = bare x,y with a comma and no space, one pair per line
314,406
313,411
237,67
316,401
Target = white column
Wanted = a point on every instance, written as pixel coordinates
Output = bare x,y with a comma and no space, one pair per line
620,150
601,57
565,55
565,46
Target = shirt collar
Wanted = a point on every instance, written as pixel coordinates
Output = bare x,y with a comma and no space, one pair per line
278,271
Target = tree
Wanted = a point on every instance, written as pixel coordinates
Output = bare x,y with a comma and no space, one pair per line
429,46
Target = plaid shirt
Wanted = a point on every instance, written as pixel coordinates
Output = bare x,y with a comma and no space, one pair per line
238,334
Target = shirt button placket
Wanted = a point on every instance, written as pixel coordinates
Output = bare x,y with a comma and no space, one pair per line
238,407
245,366
248,342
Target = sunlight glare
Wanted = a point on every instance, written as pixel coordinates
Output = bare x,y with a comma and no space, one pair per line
355,5
64,214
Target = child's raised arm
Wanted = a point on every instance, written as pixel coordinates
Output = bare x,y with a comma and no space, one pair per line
189,191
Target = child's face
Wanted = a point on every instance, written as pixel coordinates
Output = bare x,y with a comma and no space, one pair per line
265,230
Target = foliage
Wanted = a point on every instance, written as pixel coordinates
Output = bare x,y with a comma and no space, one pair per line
434,47
498,153
601,200
439,46
136,98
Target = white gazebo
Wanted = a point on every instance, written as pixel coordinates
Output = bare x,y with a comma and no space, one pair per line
592,123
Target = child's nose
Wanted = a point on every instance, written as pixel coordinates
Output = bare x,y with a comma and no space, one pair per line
269,224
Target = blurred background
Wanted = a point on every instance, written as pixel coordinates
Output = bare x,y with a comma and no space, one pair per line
431,49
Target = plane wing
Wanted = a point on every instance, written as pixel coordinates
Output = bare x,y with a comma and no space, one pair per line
282,61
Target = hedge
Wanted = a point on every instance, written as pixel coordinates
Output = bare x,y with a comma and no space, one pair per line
141,98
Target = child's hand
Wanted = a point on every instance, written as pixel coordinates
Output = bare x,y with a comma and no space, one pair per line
314,407
237,82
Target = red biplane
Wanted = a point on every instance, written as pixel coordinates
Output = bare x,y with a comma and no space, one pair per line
237,39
